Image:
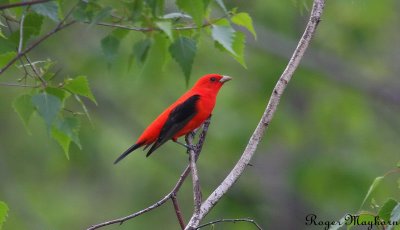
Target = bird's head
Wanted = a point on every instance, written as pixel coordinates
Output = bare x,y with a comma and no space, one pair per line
211,81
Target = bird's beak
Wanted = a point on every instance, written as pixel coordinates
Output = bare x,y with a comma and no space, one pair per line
225,79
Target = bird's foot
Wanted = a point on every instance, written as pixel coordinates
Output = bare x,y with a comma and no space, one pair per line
188,147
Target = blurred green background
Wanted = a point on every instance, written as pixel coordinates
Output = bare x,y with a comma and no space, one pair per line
336,128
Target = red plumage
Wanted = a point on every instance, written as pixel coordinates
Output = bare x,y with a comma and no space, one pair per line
183,116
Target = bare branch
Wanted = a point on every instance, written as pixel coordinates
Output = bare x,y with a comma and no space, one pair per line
178,211
19,4
170,195
195,174
266,118
233,221
21,32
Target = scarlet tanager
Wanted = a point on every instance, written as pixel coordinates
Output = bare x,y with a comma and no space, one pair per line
183,116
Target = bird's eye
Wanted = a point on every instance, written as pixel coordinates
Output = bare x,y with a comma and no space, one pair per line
213,79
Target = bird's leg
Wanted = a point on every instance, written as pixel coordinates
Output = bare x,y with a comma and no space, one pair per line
188,147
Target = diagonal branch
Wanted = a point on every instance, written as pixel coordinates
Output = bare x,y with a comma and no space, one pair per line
61,25
33,45
171,195
266,118
178,211
19,4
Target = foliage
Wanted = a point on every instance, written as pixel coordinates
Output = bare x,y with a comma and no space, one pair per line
336,128
386,215
3,213
165,34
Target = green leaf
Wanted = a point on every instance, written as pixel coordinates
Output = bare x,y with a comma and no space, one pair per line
48,106
140,50
86,11
24,108
373,186
48,9
166,27
110,44
224,34
7,45
32,27
183,50
238,46
206,3
78,99
58,92
62,139
156,6
156,57
386,209
340,223
80,85
3,213
394,216
1,34
66,130
195,8
6,57
244,19
222,5
104,13
363,219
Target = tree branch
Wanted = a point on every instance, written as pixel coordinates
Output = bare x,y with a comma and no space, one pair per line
178,211
195,174
61,25
170,195
36,43
19,4
149,29
231,220
266,118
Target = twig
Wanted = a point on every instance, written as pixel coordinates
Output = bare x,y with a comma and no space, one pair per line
21,32
178,211
148,29
18,85
266,118
61,25
172,193
195,174
19,4
33,45
38,75
231,220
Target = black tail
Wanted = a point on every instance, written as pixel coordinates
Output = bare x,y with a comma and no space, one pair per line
131,149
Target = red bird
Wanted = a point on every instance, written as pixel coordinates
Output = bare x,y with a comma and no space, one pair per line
183,116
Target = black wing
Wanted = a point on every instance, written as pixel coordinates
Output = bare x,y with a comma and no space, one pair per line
177,119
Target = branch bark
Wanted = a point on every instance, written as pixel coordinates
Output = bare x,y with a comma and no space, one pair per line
266,118
33,45
195,174
171,195
232,221
19,4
